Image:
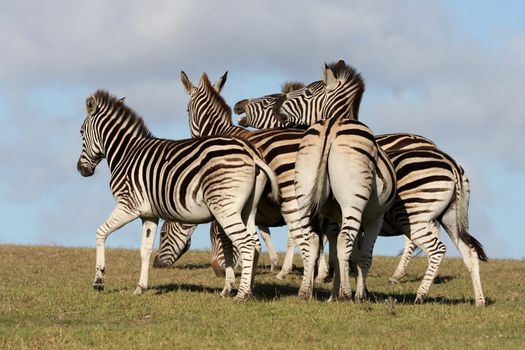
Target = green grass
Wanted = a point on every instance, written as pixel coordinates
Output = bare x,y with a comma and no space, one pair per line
46,301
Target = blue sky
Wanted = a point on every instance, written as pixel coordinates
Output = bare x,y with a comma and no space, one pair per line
453,71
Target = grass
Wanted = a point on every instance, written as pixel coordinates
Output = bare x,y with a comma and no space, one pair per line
46,301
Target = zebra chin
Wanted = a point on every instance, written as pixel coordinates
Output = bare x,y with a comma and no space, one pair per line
85,170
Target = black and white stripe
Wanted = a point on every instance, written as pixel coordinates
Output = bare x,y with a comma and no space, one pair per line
341,172
305,105
210,115
188,181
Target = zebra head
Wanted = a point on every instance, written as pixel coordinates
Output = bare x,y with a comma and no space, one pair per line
258,112
92,150
205,102
338,95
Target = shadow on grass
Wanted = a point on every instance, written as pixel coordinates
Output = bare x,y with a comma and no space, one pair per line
409,299
174,287
437,280
269,292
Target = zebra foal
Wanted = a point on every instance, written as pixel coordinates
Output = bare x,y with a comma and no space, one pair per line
188,181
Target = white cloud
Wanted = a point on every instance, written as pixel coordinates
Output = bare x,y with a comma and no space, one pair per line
424,74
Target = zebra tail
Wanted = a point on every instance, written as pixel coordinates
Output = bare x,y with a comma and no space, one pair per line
462,203
271,176
315,198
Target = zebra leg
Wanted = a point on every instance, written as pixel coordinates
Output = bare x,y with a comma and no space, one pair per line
219,242
427,238
331,235
345,242
224,255
364,257
118,218
288,259
469,253
149,229
399,273
274,259
322,266
309,260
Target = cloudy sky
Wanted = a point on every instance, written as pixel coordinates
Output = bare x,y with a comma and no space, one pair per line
452,71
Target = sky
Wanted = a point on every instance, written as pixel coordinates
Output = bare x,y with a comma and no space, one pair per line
453,71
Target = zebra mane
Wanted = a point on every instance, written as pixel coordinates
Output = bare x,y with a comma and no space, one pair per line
217,97
289,86
350,75
117,106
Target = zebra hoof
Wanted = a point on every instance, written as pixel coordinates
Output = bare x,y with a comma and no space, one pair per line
281,275
241,297
274,265
139,290
360,298
419,300
225,293
305,294
345,296
393,281
98,286
481,303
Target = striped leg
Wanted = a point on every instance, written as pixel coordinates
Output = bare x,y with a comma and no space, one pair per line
310,257
426,237
331,234
221,240
149,229
274,259
400,271
322,267
350,226
118,218
288,259
470,255
363,258
244,241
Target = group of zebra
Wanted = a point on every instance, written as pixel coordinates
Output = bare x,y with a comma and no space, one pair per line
310,165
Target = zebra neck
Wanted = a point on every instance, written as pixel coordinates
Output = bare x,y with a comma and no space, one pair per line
119,146
218,128
345,110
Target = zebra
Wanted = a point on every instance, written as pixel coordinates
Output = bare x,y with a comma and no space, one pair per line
209,114
341,172
190,181
343,90
279,150
259,113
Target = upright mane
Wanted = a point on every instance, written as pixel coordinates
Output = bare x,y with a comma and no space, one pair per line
351,76
289,86
109,102
225,108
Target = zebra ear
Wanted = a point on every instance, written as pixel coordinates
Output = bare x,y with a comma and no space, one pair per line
220,83
91,105
186,83
329,78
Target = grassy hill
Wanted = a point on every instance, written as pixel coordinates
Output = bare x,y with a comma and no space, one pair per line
46,301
